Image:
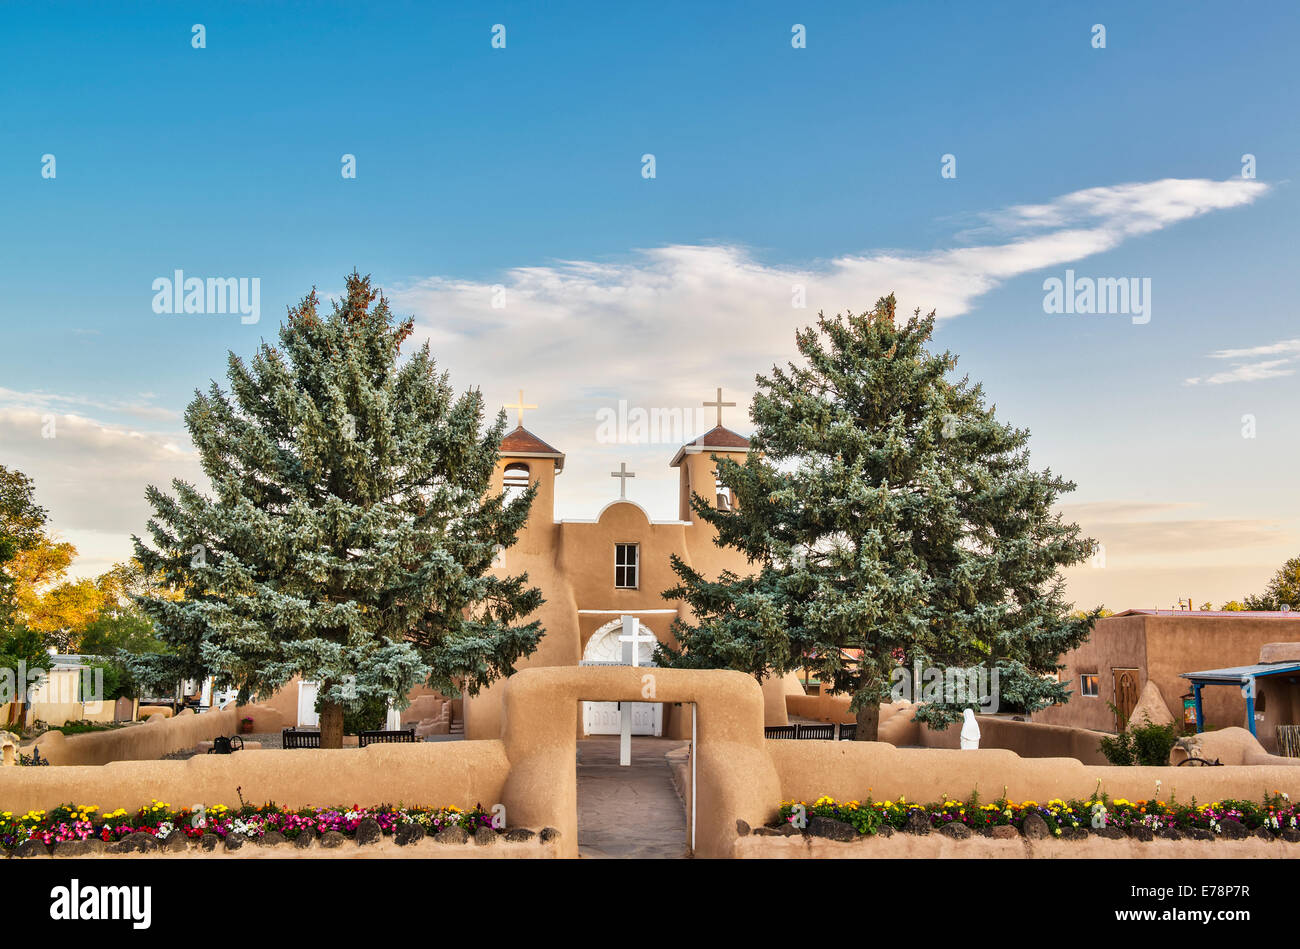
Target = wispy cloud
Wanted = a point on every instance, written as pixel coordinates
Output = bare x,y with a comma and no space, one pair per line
659,328
1250,368
140,407
1155,534
665,325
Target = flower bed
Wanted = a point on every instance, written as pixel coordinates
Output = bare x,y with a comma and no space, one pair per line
1276,814
71,822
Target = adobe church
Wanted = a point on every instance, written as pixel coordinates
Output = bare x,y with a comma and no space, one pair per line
593,572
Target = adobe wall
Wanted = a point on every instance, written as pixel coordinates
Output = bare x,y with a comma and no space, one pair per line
1161,648
851,770
1117,642
1026,739
151,739
434,773
1178,644
939,846
532,770
821,708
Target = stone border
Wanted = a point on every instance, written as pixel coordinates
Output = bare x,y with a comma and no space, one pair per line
409,840
826,837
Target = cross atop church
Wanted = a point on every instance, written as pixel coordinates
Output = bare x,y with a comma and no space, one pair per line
622,474
520,408
719,404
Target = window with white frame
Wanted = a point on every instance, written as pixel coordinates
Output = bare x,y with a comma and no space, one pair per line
627,563
1088,686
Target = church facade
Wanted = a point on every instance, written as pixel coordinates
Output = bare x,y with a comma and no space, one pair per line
594,572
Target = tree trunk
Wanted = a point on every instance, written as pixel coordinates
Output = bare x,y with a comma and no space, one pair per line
331,724
868,716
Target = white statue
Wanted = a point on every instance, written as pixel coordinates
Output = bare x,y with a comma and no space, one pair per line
8,749
970,730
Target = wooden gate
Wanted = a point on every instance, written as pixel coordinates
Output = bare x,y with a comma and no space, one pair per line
1126,695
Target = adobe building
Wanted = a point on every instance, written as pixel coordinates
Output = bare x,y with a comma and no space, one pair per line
1132,648
592,572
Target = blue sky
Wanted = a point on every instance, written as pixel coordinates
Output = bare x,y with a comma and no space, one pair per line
522,167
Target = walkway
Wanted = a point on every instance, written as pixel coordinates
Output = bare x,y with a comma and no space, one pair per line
633,811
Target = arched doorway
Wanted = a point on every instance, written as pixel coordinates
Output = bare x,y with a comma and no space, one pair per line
602,718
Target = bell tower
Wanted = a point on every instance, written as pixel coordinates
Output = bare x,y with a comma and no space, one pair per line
523,460
698,471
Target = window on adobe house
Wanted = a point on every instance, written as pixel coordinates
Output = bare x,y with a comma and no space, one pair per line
1088,686
627,561
514,481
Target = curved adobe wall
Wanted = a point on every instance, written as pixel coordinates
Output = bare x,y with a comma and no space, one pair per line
154,738
434,773
850,770
736,777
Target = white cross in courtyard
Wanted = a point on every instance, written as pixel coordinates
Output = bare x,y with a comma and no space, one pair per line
631,640
622,474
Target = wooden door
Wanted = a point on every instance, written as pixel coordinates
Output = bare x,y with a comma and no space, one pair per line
1126,695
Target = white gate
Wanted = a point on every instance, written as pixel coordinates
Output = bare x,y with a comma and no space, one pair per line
602,718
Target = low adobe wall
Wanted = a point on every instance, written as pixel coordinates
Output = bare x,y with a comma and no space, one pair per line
151,740
427,773
850,770
938,846
822,708
1026,739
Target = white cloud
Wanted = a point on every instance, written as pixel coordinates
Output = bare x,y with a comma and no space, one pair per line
1248,371
91,477
140,407
665,326
659,328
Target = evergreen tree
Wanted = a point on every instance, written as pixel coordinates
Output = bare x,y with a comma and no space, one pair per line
891,518
351,532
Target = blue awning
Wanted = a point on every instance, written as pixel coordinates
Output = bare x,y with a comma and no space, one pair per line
1241,676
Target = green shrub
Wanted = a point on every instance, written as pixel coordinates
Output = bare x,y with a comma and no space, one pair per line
1146,744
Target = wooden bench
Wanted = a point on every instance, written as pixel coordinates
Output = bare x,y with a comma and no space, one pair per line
780,731
292,738
849,731
822,732
379,737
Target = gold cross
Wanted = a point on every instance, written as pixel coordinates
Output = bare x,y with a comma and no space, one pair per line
718,404
520,408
